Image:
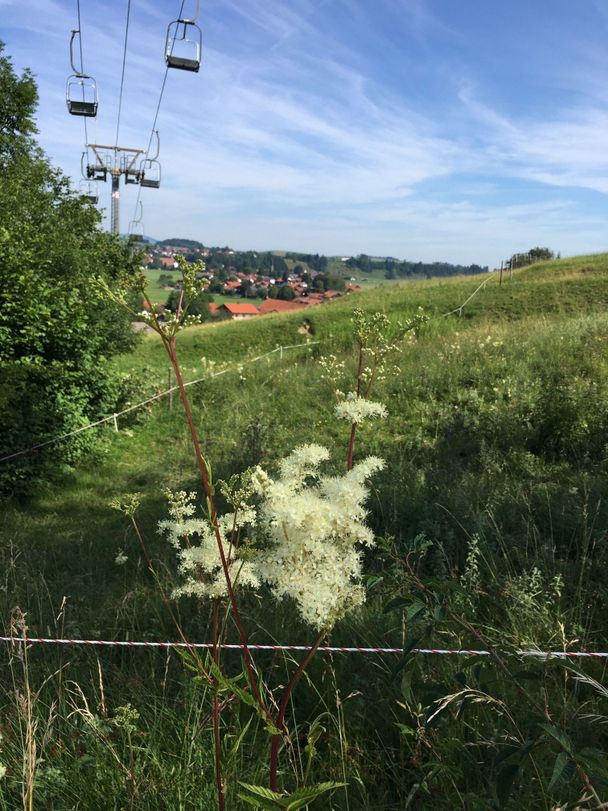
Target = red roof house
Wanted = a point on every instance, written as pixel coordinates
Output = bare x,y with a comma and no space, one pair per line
238,311
275,305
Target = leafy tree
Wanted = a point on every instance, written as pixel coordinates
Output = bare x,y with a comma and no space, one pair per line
57,331
286,293
540,254
200,306
179,242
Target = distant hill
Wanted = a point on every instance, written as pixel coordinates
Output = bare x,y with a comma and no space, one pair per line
179,242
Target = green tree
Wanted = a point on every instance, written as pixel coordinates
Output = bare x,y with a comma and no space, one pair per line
57,331
200,306
286,293
541,254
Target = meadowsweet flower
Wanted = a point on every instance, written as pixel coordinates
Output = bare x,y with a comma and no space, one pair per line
355,409
313,529
121,558
305,537
195,541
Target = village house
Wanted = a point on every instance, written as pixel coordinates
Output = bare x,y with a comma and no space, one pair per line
275,305
237,312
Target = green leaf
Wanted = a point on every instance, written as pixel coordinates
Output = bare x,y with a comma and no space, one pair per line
306,795
263,797
559,735
563,765
415,610
396,602
239,739
514,752
258,802
504,782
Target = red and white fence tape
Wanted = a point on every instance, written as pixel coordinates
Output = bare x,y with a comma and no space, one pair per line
117,643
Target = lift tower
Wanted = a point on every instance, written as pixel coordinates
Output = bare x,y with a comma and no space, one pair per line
114,161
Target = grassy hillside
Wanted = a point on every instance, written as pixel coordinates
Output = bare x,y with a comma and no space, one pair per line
494,497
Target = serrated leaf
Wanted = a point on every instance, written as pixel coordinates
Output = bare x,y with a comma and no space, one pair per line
559,735
264,796
563,764
415,610
306,795
259,802
514,752
396,602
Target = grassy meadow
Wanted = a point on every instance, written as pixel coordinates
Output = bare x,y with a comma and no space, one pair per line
491,520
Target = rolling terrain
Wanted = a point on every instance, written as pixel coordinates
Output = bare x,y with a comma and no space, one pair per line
494,496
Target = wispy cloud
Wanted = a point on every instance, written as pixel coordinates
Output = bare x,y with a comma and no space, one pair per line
341,126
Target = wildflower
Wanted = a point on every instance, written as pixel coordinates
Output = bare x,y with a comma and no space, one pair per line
356,409
196,543
2,770
304,537
314,529
121,558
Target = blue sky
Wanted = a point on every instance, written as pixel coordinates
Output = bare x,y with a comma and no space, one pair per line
424,129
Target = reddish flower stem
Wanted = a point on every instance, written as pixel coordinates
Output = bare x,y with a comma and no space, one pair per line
171,352
216,712
353,429
166,602
280,719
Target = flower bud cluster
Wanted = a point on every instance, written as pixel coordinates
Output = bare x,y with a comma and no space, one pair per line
355,409
195,541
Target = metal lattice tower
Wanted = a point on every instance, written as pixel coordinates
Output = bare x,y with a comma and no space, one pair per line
115,161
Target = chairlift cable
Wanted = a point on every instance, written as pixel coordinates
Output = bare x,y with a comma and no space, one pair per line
122,77
84,117
160,98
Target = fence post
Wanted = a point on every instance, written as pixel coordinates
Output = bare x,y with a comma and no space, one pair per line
115,423
281,353
170,389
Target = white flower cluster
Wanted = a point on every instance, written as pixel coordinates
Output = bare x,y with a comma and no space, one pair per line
199,556
355,409
313,530
309,528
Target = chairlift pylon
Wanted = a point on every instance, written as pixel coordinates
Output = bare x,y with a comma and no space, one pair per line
81,90
184,43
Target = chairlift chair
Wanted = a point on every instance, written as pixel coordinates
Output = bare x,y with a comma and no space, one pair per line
88,190
136,231
81,95
132,176
97,171
183,45
81,90
149,173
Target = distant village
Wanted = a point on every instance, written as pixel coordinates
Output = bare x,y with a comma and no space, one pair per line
259,283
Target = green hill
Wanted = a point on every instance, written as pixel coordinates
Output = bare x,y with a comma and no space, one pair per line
494,494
